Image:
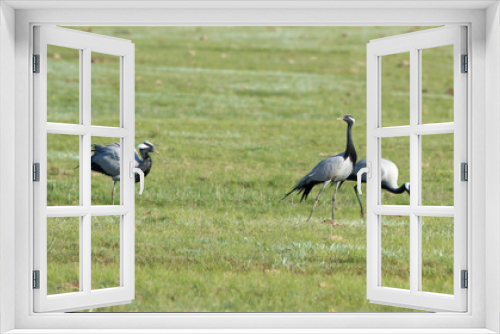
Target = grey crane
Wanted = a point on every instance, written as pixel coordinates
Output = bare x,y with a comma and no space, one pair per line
388,179
336,169
106,160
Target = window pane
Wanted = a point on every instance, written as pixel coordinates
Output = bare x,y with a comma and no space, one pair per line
105,252
437,84
63,174
63,85
105,164
437,170
105,90
395,251
437,254
395,86
395,171
63,255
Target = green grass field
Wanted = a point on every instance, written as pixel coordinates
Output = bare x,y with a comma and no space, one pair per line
239,114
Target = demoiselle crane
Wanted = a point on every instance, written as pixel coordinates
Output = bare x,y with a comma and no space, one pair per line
336,169
106,160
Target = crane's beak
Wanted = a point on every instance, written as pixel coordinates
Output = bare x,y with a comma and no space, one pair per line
157,152
340,119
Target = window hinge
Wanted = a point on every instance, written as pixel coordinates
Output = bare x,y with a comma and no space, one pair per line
465,64
36,279
36,63
36,172
464,171
465,279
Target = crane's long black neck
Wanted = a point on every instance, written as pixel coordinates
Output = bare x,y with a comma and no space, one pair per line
350,151
145,165
145,155
393,190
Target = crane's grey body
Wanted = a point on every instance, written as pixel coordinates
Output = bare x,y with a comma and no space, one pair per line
106,160
335,169
389,173
332,169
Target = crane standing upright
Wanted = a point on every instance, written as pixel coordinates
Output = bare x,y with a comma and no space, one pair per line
333,169
106,160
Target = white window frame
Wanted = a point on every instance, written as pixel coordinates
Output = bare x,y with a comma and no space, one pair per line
482,19
414,44
85,43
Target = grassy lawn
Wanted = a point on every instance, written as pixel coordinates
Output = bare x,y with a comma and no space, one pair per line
239,114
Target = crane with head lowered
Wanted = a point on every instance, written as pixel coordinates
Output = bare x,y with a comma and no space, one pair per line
388,179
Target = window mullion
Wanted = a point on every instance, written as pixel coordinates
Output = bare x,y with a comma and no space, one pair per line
373,191
85,178
414,170
127,110
85,98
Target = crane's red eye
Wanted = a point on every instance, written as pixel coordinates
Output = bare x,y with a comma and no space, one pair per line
347,116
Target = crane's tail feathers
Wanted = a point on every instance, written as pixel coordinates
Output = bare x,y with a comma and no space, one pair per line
303,188
291,191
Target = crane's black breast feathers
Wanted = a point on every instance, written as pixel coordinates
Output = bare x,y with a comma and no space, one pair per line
138,178
145,166
304,188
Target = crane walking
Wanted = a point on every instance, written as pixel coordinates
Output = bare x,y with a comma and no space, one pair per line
388,179
336,169
106,160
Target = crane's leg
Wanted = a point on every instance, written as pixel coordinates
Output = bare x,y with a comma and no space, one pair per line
113,194
359,200
317,198
333,200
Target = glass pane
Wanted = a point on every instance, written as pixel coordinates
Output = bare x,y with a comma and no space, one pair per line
63,174
437,169
105,164
105,252
437,254
395,89
395,251
395,171
105,90
63,85
63,255
437,84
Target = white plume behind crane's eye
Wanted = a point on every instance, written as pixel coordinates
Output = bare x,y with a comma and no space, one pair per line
143,147
349,117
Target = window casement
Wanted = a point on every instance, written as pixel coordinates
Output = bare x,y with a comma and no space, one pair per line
85,211
468,313
415,131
